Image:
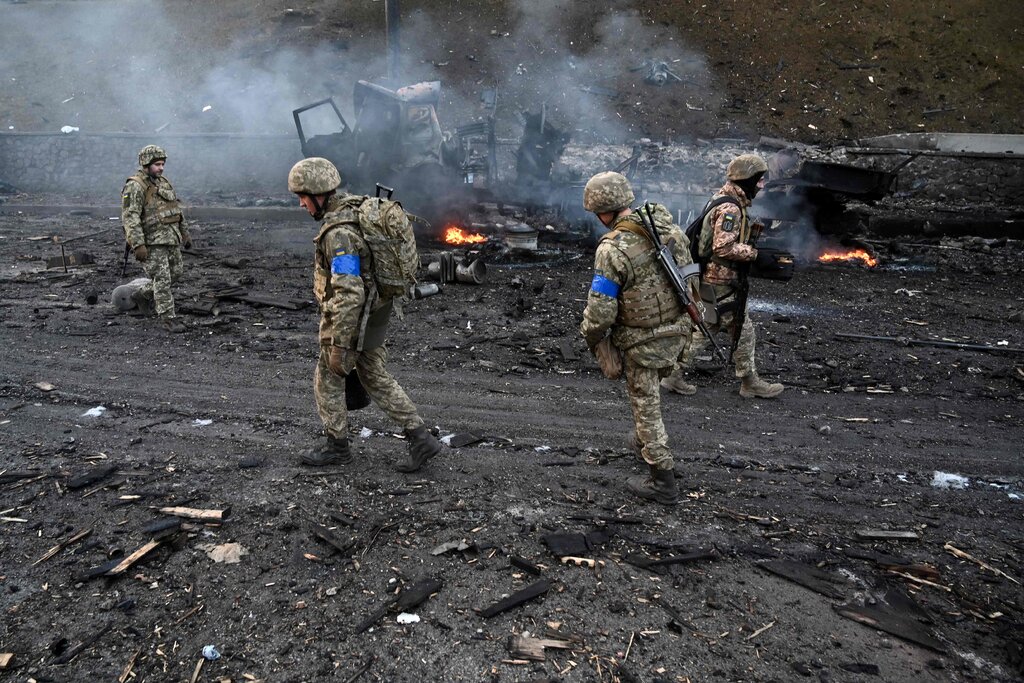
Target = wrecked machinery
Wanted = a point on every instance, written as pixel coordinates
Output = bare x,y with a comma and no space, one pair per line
396,140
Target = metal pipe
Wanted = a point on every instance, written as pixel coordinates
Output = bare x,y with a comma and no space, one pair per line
392,17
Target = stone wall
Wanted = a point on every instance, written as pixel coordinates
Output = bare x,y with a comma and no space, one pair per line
98,163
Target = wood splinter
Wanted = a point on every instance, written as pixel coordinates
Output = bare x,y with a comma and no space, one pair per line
194,513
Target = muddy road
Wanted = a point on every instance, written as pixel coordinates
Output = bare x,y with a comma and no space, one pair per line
886,483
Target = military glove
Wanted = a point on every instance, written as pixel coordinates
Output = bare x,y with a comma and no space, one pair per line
609,358
341,361
141,253
187,244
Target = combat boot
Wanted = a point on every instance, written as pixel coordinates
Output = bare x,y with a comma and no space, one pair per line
659,486
422,447
142,302
678,385
173,324
332,452
755,387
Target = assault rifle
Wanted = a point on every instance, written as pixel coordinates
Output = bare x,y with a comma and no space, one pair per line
124,263
679,278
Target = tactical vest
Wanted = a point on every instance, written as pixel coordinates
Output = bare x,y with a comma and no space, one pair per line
160,206
649,301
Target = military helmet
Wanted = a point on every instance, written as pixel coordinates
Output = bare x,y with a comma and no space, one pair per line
151,153
606,192
314,175
745,166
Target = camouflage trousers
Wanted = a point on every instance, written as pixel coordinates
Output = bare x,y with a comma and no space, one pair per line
329,391
744,355
163,268
644,390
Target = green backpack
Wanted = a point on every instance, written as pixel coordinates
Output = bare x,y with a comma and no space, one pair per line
389,235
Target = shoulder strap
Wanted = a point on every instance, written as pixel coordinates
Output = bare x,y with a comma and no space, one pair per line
148,188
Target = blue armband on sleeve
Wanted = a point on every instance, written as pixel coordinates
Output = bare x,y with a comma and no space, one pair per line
603,285
345,264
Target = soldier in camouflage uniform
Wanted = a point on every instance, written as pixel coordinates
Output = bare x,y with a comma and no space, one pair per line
632,299
353,322
731,244
154,228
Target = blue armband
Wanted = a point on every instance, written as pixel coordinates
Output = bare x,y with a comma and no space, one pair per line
603,285
345,264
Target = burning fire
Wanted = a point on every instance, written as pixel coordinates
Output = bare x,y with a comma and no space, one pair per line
456,235
849,255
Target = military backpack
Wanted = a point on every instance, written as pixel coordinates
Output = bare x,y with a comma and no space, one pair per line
701,237
389,235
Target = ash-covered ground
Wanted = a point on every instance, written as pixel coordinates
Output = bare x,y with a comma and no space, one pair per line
105,419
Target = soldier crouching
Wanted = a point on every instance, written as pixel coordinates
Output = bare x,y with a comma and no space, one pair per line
632,303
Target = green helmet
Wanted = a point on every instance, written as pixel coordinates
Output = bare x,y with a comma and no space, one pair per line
314,175
606,192
745,166
151,153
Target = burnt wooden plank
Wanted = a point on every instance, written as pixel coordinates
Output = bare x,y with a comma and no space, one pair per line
418,593
534,590
91,477
524,564
806,576
885,618
327,536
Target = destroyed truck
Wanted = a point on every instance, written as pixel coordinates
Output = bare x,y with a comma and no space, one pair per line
395,141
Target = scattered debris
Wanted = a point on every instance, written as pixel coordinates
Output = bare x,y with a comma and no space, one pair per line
210,653
885,535
534,590
226,553
804,575
984,565
406,618
193,513
945,480
524,646
95,412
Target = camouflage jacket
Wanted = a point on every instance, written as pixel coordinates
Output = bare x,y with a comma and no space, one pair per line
730,243
632,296
151,213
343,277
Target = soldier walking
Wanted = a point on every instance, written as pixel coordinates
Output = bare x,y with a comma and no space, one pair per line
633,304
729,234
353,320
154,228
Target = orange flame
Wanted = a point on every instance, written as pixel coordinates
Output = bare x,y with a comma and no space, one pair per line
849,255
456,235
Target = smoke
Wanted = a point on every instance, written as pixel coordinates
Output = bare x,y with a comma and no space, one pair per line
146,65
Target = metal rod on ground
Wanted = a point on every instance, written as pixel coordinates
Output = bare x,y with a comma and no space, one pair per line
929,342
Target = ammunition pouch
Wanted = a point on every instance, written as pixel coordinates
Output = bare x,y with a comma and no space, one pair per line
772,264
648,307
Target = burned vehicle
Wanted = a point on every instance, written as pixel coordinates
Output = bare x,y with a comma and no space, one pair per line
820,192
395,141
